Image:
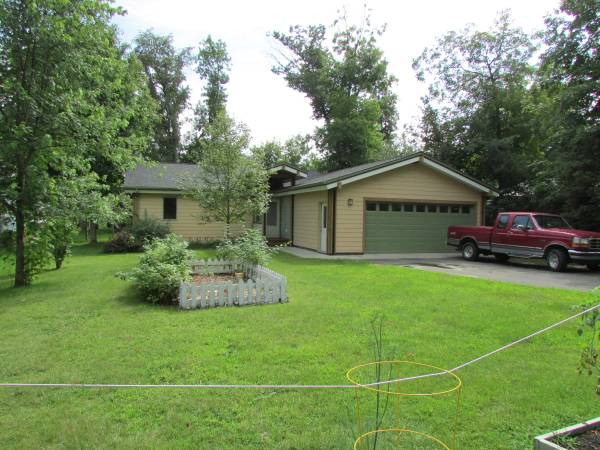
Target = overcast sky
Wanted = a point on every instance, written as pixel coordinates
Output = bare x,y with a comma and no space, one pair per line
261,99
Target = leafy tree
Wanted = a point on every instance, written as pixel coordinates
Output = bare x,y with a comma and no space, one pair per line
477,114
164,67
570,85
230,186
295,151
69,96
213,66
347,84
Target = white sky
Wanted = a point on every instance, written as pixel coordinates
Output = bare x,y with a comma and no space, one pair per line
261,99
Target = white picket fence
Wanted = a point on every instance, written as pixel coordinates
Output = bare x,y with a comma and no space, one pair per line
263,287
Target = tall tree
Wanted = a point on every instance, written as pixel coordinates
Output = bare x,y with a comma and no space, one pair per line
348,85
295,151
68,96
213,66
476,115
570,84
230,186
164,67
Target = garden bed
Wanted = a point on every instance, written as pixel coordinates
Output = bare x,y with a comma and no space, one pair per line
583,436
231,283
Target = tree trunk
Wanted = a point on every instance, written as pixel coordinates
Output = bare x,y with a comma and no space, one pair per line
21,277
93,233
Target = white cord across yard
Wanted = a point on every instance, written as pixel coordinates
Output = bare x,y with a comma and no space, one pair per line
292,386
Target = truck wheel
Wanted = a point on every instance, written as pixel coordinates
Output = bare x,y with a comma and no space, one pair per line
557,259
593,267
501,257
470,251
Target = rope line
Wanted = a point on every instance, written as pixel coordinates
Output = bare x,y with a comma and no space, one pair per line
294,386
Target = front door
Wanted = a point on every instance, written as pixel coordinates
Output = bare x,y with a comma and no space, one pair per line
324,227
272,226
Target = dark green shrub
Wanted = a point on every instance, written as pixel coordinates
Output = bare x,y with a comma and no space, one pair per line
146,230
164,265
122,242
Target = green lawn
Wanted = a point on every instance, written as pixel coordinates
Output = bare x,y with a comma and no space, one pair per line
81,324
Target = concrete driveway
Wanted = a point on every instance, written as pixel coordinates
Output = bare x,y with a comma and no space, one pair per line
520,271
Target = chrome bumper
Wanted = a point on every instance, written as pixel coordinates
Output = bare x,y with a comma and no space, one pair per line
577,255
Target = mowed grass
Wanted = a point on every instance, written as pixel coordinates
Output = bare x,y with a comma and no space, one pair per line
83,325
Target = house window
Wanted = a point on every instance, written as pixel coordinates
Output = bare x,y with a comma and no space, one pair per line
454,209
408,208
443,208
396,207
420,208
170,208
371,206
432,208
466,209
258,219
384,207
272,215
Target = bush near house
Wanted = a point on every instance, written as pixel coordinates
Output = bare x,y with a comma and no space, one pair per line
161,269
250,248
138,234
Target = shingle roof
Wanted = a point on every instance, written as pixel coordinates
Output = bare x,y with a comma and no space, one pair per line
162,176
168,176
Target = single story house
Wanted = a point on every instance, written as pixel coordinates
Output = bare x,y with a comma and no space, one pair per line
400,205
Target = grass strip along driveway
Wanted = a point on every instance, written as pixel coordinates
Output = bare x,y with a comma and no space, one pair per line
81,324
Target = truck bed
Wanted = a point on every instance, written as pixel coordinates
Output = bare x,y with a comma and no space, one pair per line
481,235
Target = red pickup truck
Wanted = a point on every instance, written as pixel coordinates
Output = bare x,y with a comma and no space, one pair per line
529,235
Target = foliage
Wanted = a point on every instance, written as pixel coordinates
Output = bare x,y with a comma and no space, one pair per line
145,230
230,186
164,265
588,360
295,151
570,110
213,65
164,66
347,84
250,248
476,115
122,242
70,96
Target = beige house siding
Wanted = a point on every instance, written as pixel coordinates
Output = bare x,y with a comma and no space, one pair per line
306,219
415,182
188,223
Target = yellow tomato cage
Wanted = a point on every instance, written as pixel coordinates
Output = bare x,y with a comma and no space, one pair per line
397,395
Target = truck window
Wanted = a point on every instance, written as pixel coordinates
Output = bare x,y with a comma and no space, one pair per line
502,221
525,221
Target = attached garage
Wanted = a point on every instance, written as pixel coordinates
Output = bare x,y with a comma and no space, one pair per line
402,205
399,227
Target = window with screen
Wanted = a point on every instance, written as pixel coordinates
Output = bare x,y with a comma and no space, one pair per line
502,222
272,215
169,208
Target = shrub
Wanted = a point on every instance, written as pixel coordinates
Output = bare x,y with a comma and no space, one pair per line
250,248
146,230
122,242
162,268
